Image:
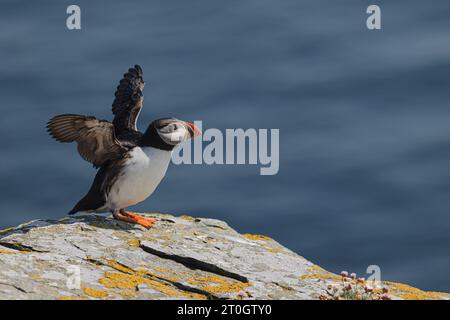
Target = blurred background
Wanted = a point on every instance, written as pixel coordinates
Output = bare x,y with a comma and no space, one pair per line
364,118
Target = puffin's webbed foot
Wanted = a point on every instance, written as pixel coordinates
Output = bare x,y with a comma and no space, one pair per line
134,218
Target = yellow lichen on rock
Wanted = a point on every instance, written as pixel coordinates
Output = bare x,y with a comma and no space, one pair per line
124,281
316,272
185,217
72,298
407,292
8,252
134,243
4,231
13,252
256,237
119,267
130,279
95,293
218,284
212,284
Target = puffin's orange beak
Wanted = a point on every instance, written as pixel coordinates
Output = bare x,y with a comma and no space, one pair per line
197,132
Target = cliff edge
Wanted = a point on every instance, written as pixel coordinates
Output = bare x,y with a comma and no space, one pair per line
96,257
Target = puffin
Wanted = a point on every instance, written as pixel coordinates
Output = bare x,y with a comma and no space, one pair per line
130,163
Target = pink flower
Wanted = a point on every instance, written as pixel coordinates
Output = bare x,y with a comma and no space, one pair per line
368,288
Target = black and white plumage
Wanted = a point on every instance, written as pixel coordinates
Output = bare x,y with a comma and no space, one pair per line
131,163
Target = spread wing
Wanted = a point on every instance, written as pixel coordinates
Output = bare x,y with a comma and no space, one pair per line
96,139
129,100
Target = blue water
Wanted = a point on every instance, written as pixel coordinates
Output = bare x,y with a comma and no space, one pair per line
364,118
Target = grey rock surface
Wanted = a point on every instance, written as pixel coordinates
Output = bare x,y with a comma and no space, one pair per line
96,257
179,258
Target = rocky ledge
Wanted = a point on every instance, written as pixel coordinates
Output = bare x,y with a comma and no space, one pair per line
95,257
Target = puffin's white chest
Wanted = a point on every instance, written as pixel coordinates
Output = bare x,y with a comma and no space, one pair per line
142,173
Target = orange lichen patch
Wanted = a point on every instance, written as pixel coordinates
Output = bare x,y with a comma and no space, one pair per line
120,280
119,267
211,283
123,293
185,217
9,252
123,281
407,292
6,230
95,293
320,276
134,243
256,237
316,272
13,252
217,284
129,279
72,298
226,288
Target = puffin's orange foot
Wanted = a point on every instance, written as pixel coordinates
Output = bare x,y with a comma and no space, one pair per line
135,218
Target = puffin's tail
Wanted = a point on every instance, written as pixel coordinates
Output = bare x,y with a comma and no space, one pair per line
95,198
87,204
82,205
73,211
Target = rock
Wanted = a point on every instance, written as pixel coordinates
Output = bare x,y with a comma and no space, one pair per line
96,257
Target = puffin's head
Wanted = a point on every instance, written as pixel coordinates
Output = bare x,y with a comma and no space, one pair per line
167,133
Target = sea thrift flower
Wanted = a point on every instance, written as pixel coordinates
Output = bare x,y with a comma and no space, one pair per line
353,288
368,288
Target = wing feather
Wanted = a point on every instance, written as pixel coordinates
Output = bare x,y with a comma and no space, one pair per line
128,100
96,139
